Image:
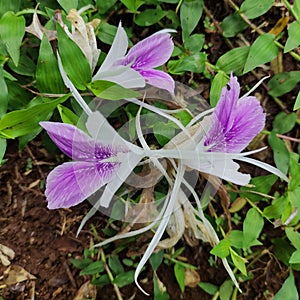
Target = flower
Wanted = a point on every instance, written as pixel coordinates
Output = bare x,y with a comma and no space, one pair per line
137,67
107,160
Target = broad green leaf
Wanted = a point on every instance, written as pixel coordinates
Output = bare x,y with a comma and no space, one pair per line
6,6
115,264
218,83
236,239
282,250
3,93
284,122
73,60
194,43
93,268
190,14
68,4
156,259
232,25
149,17
252,227
239,262
262,51
107,33
24,121
233,60
101,281
3,145
221,249
124,279
293,236
253,9
104,6
209,288
110,90
283,83
180,275
12,30
275,210
293,40
194,63
81,263
163,132
226,290
281,154
297,102
288,290
48,78
26,66
133,5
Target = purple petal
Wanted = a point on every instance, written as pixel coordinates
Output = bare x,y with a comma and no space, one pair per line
159,79
72,182
75,143
149,53
235,122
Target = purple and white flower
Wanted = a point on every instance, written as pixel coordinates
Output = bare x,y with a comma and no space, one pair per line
136,68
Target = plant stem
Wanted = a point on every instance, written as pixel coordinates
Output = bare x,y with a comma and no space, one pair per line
291,9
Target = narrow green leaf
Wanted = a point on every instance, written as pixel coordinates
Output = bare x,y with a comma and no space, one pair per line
293,236
95,267
156,259
239,262
253,9
221,249
24,121
3,93
81,263
226,290
297,102
68,4
252,227
284,122
262,51
149,17
190,14
124,279
107,33
48,78
232,25
281,154
110,90
294,171
74,62
180,276
67,115
3,145
293,40
233,60
283,83
12,30
218,83
288,290
297,8
209,288
115,264
160,291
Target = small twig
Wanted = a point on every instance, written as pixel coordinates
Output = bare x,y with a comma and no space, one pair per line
35,162
288,138
69,274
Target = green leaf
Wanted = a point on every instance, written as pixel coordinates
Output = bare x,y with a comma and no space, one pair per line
281,154
115,264
226,290
93,268
104,6
24,121
233,60
149,17
239,262
26,66
110,90
190,14
297,8
252,227
67,115
163,132
3,93
68,4
254,9
107,33
81,263
218,83
236,239
283,83
284,122
133,5
293,236
297,102
6,6
124,279
288,290
12,30
221,249
295,258
3,145
282,250
160,292
232,25
293,40
209,288
194,43
73,60
262,51
156,259
180,276
48,78
194,63
275,210
101,281
294,171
